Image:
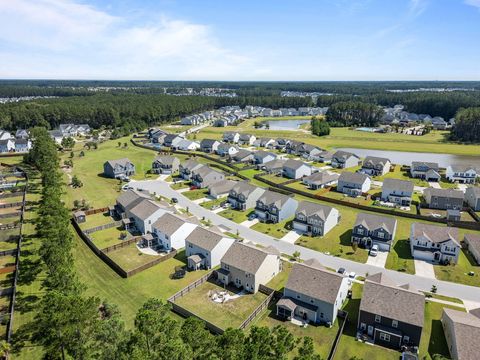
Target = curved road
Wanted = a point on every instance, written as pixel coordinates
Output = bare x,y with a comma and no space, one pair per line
464,292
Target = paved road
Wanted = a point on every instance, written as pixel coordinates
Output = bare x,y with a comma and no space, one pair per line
470,293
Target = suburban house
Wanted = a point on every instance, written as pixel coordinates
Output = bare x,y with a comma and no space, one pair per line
262,157
391,315
275,207
206,176
246,139
209,145
158,137
274,166
22,134
462,331
353,184
264,142
7,145
231,137
226,149
118,169
282,143
171,230
315,219
187,145
293,147
472,197
22,145
243,155
375,166
171,140
248,266
461,174
320,180
370,230
323,157
343,159
472,243
244,195
443,199
308,151
188,167
126,201
145,213
221,188
397,191
295,169
425,170
166,164
313,293
205,248
434,243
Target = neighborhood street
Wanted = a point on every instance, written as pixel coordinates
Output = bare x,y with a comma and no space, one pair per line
162,188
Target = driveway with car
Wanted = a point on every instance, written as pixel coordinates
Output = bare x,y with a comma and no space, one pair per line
378,260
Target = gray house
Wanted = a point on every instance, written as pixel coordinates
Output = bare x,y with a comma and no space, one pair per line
205,248
443,199
209,145
231,136
315,219
188,167
434,243
425,170
472,197
221,188
370,230
375,166
353,184
397,191
118,169
343,159
391,315
165,164
313,293
295,169
226,149
320,180
472,242
244,195
171,139
262,157
127,200
274,166
462,331
206,176
246,139
243,155
275,207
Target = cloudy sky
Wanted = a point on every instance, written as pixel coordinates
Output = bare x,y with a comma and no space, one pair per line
240,40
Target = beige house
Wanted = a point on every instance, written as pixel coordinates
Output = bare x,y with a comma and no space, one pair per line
246,266
472,242
462,332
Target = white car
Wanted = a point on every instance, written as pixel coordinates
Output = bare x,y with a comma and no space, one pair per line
374,250
352,275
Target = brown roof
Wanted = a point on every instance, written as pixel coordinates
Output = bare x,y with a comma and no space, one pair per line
435,233
247,257
385,299
145,208
204,238
315,282
131,198
466,331
473,241
168,223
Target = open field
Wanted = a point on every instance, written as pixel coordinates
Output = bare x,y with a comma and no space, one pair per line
277,230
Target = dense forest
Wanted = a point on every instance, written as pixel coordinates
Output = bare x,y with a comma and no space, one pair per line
467,125
353,113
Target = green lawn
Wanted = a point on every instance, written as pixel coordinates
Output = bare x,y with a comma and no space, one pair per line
400,257
129,257
459,273
96,220
196,194
107,237
236,215
279,281
275,179
180,185
250,173
214,203
224,315
443,297
277,230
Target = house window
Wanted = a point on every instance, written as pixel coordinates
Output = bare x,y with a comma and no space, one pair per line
298,296
385,337
406,339
394,323
321,315
311,301
381,235
363,326
360,231
378,318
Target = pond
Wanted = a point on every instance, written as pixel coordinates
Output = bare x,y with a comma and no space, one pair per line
406,157
286,124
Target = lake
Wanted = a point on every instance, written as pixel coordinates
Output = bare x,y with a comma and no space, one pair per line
406,157
286,124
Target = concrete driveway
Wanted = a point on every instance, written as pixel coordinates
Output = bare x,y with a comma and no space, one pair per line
424,269
378,260
249,223
462,187
291,237
201,200
434,184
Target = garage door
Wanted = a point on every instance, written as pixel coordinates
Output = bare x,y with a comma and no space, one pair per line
423,255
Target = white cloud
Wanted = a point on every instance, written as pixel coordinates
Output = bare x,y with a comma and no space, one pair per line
417,7
475,3
63,38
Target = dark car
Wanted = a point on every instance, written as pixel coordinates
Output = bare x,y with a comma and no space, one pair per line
341,271
174,200
179,273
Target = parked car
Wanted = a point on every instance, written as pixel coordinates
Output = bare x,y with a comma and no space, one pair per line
174,200
341,271
352,275
193,187
374,250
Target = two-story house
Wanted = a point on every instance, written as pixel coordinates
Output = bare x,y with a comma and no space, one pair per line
397,191
244,195
209,145
126,201
166,164
206,176
315,219
226,149
188,167
391,315
247,266
472,197
462,331
313,293
145,213
434,243
264,142
461,174
320,180
262,157
344,159
375,166
231,137
428,171
187,145
205,248
443,199
370,230
274,166
118,169
295,169
243,155
472,243
221,188
275,207
353,184
246,139
171,230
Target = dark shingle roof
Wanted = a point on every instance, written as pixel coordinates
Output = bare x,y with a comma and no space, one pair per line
371,222
247,257
466,333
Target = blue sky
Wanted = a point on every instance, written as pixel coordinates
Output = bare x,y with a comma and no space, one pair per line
240,40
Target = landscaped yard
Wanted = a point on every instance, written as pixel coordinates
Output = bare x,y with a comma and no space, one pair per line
107,237
129,257
236,215
213,203
277,230
400,257
96,220
459,273
196,194
224,315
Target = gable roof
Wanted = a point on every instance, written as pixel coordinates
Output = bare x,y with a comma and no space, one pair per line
462,168
122,162
244,187
222,186
446,193
204,238
294,164
145,208
357,178
435,233
473,241
242,153
273,198
322,177
263,154
474,189
205,171
274,164
374,161
166,159
397,184
168,223
430,165
340,154
385,299
310,208
466,330
131,197
208,142
247,257
371,222
190,164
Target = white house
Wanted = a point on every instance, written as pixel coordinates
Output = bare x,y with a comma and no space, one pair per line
171,230
205,248
461,174
434,243
145,213
294,169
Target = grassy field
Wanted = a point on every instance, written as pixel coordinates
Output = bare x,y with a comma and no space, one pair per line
129,257
278,230
196,194
107,237
459,273
96,220
224,315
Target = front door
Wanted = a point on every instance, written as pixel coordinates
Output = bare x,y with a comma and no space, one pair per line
370,330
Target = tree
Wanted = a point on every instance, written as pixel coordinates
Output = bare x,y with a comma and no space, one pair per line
119,144
76,182
283,342
5,349
319,127
82,154
296,255
72,155
354,246
68,142
306,351
230,344
434,289
467,125
201,341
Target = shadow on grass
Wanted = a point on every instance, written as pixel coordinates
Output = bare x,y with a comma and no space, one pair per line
437,343
402,248
470,258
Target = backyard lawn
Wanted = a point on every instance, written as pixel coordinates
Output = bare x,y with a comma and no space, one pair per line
224,315
96,220
275,179
129,257
235,215
459,273
279,281
277,230
107,237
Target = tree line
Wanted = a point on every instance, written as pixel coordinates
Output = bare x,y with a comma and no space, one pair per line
353,113
467,125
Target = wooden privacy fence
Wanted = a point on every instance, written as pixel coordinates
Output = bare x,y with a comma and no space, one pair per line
195,284
121,245
8,252
342,315
265,303
10,205
11,194
96,211
103,227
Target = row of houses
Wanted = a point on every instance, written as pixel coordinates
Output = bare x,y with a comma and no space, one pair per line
69,130
398,115
15,143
